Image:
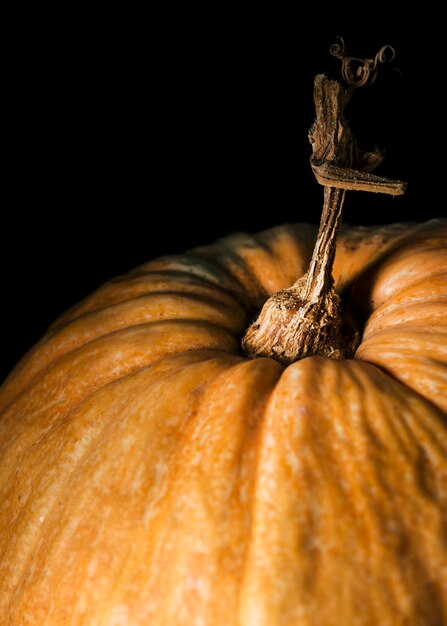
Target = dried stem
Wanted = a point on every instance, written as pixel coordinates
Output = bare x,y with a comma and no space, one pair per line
307,318
320,270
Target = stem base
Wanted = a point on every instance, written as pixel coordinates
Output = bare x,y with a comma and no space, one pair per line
291,327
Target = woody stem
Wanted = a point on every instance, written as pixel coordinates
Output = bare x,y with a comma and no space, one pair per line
320,269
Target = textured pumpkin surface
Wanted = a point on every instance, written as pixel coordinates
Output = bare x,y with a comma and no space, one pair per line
151,474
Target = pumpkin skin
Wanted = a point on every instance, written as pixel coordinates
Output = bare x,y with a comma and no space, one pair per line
151,474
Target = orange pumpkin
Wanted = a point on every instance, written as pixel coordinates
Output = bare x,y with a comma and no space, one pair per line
152,474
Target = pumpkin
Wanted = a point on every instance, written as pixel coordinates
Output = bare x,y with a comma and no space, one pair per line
151,473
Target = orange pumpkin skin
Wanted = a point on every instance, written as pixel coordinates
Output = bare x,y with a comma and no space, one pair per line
152,474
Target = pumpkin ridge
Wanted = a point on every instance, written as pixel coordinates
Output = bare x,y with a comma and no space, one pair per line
92,306
199,355
169,370
254,242
259,289
128,333
352,239
391,372
379,595
208,449
232,286
382,324
393,246
219,273
289,244
409,301
241,294
194,297
386,263
50,343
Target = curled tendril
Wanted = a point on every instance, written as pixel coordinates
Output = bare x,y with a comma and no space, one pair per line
366,70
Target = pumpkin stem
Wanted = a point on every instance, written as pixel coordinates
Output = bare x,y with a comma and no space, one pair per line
307,318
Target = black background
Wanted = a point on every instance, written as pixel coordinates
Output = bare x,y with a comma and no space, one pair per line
135,136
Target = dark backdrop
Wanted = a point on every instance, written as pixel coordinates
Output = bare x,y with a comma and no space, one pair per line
136,137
